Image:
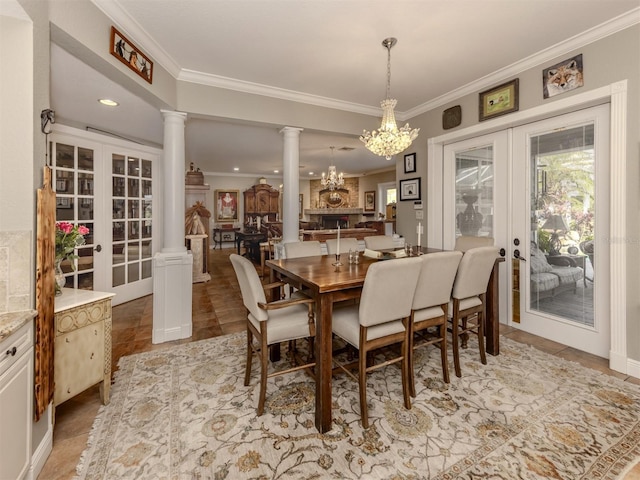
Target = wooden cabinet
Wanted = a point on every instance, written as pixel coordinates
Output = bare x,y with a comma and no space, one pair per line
82,356
16,400
261,200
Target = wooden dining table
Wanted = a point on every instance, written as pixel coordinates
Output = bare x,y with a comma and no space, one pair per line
328,284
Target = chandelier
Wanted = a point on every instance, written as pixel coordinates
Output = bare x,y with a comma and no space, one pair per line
389,139
332,179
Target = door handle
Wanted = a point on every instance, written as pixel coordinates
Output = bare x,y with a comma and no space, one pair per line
516,254
98,248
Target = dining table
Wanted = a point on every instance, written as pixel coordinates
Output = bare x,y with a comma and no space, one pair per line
326,283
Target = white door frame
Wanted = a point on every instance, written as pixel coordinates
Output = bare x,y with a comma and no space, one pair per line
616,95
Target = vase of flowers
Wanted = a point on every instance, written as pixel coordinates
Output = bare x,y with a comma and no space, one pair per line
68,238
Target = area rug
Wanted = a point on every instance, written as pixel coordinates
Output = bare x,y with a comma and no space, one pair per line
184,413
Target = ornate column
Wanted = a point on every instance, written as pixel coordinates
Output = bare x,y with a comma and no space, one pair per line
291,185
173,265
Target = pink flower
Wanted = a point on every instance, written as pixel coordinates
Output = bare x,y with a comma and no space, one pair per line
82,230
66,227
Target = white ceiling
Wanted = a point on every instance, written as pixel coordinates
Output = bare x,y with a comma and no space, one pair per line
321,51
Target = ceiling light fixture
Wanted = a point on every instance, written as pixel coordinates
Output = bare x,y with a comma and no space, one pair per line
108,102
389,139
332,179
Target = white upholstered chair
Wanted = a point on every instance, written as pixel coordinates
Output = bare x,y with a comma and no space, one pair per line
346,244
468,302
302,249
380,319
430,307
378,242
466,242
271,322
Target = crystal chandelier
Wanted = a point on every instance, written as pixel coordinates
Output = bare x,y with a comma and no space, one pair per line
332,179
389,139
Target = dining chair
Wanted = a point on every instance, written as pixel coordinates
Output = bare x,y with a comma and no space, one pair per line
271,323
267,251
302,249
378,242
468,300
346,244
431,306
380,319
465,242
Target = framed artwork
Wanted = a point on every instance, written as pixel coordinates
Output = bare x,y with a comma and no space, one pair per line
452,117
410,189
125,51
61,185
63,202
226,203
300,199
499,100
562,77
370,201
410,163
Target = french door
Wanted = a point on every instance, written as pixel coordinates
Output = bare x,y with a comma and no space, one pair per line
560,222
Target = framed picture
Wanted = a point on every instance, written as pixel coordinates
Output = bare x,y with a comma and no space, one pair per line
410,163
300,199
499,100
410,189
562,77
63,202
61,185
125,51
370,201
226,203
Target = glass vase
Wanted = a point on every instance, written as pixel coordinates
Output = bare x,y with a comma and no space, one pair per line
59,275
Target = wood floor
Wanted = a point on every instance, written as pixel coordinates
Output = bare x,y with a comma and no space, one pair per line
217,310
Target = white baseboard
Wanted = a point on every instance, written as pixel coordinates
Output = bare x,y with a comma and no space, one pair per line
42,452
633,368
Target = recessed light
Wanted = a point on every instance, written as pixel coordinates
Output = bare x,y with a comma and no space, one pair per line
108,102
235,169
310,173
276,171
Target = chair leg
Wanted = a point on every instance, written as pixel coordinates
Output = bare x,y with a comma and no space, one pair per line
264,363
410,353
247,370
454,338
362,385
483,356
405,374
443,353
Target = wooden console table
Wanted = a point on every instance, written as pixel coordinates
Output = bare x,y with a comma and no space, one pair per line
223,235
82,347
324,235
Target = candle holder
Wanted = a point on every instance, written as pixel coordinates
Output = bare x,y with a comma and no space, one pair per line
337,262
418,250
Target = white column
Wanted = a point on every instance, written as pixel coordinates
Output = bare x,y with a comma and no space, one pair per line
291,184
173,265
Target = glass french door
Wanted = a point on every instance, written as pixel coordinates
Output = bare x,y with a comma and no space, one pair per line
560,220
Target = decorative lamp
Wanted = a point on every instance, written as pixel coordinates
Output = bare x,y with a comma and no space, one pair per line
556,225
389,139
332,179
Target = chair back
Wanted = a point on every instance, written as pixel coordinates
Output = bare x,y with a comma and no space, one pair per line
378,242
435,282
346,244
302,249
388,289
466,242
474,272
250,286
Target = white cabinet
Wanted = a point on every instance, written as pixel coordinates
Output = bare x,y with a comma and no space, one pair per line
82,354
16,402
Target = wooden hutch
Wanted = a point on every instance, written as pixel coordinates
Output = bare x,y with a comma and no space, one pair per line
261,200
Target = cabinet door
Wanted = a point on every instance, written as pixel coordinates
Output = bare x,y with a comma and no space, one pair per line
262,202
273,205
15,417
249,202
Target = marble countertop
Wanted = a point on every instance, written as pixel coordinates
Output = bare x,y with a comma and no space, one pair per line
72,297
13,321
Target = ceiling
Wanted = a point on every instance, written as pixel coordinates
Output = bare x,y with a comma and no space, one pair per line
321,51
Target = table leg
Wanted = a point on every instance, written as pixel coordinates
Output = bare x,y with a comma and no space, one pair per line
323,352
238,240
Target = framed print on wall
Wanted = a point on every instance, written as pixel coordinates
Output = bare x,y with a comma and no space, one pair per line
125,51
499,100
370,201
226,203
562,77
410,189
410,163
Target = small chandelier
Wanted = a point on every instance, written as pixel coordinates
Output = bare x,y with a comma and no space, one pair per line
332,179
389,139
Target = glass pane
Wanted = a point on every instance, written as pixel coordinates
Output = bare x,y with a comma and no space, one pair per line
133,167
67,266
146,225
134,208
64,156
134,230
118,187
64,209
563,224
118,231
118,208
133,251
85,258
474,192
88,237
85,281
118,276
146,269
133,270
118,164
85,183
146,249
146,188
146,168
118,253
134,187
85,209
85,159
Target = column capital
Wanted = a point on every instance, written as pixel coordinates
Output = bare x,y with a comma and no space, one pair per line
292,130
173,114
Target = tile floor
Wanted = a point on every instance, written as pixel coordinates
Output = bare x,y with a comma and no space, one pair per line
217,310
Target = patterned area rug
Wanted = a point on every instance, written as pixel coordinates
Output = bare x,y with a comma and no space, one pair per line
184,413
